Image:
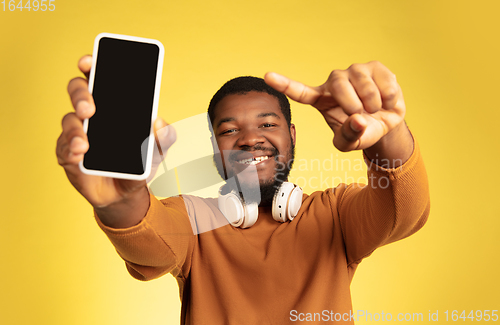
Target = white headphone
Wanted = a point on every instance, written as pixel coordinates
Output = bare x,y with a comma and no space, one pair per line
286,204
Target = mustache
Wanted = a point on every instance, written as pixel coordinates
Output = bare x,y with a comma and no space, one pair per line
272,150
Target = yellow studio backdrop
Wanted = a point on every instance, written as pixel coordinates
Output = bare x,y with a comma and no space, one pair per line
57,267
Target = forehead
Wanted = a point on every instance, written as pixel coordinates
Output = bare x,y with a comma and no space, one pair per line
242,106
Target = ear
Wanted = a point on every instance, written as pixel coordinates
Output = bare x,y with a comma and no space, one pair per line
292,133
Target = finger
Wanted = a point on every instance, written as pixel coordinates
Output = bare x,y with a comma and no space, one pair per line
293,89
165,135
390,91
81,99
85,64
348,135
72,143
335,117
360,76
341,89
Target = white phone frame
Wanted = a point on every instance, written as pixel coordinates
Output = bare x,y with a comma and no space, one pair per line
151,138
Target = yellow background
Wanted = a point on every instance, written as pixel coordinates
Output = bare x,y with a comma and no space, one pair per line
58,268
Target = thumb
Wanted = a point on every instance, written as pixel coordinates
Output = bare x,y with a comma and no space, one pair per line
348,136
165,135
293,89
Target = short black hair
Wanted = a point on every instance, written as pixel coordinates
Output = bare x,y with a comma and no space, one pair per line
244,85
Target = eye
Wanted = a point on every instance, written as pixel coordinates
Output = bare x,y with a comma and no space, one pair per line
268,125
229,131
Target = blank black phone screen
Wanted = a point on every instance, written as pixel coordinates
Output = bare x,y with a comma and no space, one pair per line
123,92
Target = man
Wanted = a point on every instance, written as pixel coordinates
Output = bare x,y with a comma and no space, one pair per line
271,272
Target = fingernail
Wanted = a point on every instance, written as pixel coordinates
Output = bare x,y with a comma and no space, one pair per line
279,78
77,143
82,107
159,123
163,132
353,127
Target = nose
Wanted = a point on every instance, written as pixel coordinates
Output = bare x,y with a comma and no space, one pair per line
249,137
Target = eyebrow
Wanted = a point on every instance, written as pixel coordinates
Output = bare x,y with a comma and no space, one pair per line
232,119
269,114
225,120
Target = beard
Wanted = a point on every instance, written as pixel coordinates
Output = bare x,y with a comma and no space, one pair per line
266,189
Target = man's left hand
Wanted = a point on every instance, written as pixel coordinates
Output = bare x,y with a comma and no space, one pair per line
361,104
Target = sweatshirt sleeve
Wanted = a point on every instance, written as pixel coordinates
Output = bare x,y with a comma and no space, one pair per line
393,205
159,244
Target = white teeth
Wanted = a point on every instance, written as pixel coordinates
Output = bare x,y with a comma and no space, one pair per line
253,161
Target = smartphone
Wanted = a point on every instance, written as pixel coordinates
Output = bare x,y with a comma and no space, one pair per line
125,83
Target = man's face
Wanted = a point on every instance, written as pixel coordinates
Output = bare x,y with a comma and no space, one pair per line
250,129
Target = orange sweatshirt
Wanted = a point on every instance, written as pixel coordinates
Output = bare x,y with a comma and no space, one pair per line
275,273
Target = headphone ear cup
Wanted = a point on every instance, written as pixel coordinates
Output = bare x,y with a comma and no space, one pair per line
231,207
286,202
251,215
237,213
294,202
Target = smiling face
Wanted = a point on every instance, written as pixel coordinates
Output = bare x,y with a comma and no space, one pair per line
251,130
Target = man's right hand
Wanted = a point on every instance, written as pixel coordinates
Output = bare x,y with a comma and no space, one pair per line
119,203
